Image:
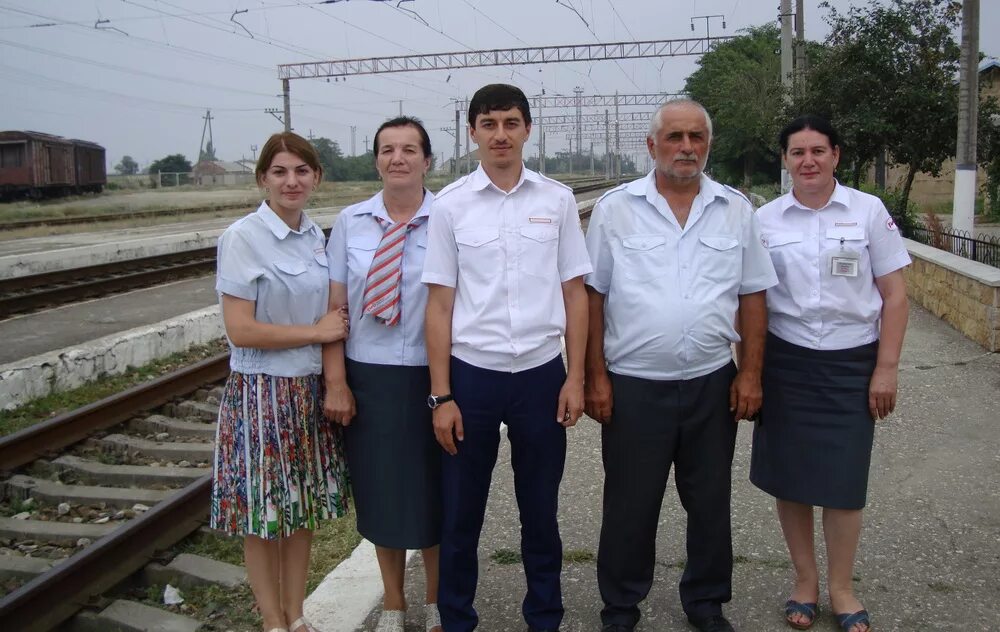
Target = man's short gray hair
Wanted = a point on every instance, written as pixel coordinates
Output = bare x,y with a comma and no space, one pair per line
657,121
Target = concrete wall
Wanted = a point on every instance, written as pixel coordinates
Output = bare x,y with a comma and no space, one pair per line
69,368
963,293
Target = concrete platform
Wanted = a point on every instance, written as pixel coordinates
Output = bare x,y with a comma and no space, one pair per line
21,257
930,549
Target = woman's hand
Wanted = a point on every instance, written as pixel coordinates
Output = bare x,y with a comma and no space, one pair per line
333,326
882,391
338,403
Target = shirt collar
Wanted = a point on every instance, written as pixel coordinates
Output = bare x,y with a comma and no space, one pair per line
279,228
478,179
839,196
709,189
376,207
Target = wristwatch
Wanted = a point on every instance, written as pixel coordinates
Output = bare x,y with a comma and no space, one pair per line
433,401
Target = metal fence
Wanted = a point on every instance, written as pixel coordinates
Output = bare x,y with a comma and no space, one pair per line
984,248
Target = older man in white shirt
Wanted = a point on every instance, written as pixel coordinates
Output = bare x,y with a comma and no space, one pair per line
679,276
505,264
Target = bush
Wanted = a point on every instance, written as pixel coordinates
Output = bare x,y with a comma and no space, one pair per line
906,219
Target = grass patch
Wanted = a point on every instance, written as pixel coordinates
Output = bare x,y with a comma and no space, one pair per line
218,608
506,556
219,547
43,408
578,556
332,543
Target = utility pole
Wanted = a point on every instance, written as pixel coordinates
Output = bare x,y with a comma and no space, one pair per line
354,140
206,127
458,139
963,217
570,154
800,47
578,91
607,146
541,140
468,154
618,144
786,68
592,158
286,97
401,107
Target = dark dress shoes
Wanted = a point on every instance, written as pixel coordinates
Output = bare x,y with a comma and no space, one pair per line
713,623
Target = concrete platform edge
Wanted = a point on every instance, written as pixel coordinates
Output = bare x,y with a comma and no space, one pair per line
68,368
346,596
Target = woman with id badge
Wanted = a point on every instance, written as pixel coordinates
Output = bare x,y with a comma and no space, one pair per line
836,321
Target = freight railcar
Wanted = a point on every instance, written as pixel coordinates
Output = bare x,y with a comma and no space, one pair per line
39,165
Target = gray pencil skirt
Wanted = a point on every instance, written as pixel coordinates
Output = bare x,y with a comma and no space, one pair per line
393,457
813,443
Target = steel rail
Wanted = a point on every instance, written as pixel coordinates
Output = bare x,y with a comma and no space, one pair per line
24,446
56,595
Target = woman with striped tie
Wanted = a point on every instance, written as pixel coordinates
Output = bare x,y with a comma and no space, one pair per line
377,382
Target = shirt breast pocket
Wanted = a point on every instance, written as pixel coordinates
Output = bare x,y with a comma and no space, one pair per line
644,256
539,249
720,257
783,248
479,252
360,253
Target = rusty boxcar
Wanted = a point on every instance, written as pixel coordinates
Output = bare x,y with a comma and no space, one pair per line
39,165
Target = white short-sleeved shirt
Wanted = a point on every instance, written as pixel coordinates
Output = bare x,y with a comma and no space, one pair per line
506,255
810,306
284,272
355,238
671,293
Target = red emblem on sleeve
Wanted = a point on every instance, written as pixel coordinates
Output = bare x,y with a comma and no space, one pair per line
891,225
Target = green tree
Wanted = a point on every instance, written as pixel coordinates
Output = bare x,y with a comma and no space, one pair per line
128,166
887,83
988,150
330,158
208,153
739,84
174,163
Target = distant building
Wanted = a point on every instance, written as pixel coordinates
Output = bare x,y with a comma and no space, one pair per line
466,163
221,172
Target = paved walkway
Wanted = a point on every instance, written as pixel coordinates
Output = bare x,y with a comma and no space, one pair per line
930,552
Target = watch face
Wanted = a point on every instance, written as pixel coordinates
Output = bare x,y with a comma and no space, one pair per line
432,401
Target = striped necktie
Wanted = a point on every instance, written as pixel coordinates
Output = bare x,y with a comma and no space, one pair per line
382,287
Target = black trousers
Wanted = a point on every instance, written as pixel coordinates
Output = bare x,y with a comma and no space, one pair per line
654,424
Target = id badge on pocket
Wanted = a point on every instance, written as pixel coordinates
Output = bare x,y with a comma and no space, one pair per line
844,263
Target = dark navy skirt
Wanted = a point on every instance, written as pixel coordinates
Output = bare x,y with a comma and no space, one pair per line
392,456
813,443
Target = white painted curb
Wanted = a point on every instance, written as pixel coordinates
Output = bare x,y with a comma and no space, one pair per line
68,368
342,601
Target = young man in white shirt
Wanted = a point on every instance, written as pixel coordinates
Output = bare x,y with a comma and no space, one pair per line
505,264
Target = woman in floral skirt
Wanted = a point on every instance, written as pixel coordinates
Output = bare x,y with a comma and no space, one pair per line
279,465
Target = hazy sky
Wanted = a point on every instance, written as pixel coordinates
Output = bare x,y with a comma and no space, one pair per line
138,75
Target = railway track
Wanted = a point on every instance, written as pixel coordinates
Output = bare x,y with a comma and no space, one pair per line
29,293
102,489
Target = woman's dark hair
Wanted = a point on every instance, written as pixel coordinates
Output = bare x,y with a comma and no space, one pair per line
498,96
809,121
292,143
406,121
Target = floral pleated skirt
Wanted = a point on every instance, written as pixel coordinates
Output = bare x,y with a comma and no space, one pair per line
279,464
